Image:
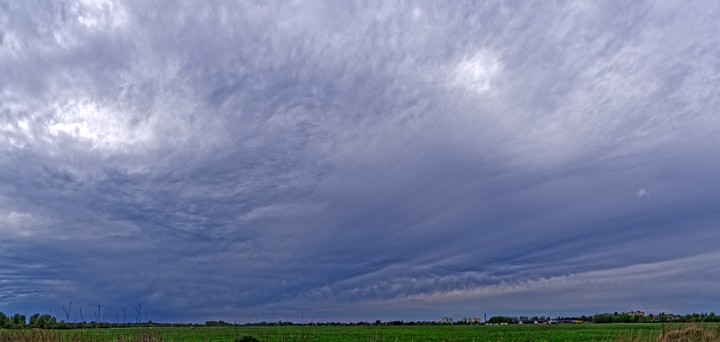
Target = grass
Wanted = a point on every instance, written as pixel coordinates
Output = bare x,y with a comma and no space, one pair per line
581,332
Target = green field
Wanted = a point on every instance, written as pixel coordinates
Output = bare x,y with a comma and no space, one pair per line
580,332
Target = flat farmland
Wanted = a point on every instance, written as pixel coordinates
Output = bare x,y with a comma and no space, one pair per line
580,332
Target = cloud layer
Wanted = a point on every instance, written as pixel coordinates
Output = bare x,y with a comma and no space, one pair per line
356,161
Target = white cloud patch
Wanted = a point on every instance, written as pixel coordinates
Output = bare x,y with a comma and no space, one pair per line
478,72
98,13
9,45
100,126
15,223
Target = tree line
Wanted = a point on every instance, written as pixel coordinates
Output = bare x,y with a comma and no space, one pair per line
20,321
622,317
661,317
48,321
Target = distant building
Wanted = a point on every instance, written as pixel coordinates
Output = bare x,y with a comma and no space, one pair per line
446,320
666,317
636,313
471,320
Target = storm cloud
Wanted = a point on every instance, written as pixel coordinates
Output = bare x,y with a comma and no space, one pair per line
359,160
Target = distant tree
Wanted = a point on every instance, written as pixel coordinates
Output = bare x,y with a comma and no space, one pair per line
42,321
67,310
603,318
499,320
98,315
223,323
625,318
34,320
4,320
138,313
18,319
124,311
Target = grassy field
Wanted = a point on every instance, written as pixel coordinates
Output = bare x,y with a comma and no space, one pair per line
581,332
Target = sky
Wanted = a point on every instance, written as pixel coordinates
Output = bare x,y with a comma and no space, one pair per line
346,161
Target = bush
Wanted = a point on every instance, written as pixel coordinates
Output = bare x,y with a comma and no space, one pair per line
246,339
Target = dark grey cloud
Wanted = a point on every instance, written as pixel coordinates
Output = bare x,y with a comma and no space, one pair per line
358,160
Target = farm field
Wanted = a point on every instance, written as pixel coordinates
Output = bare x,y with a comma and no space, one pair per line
581,332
